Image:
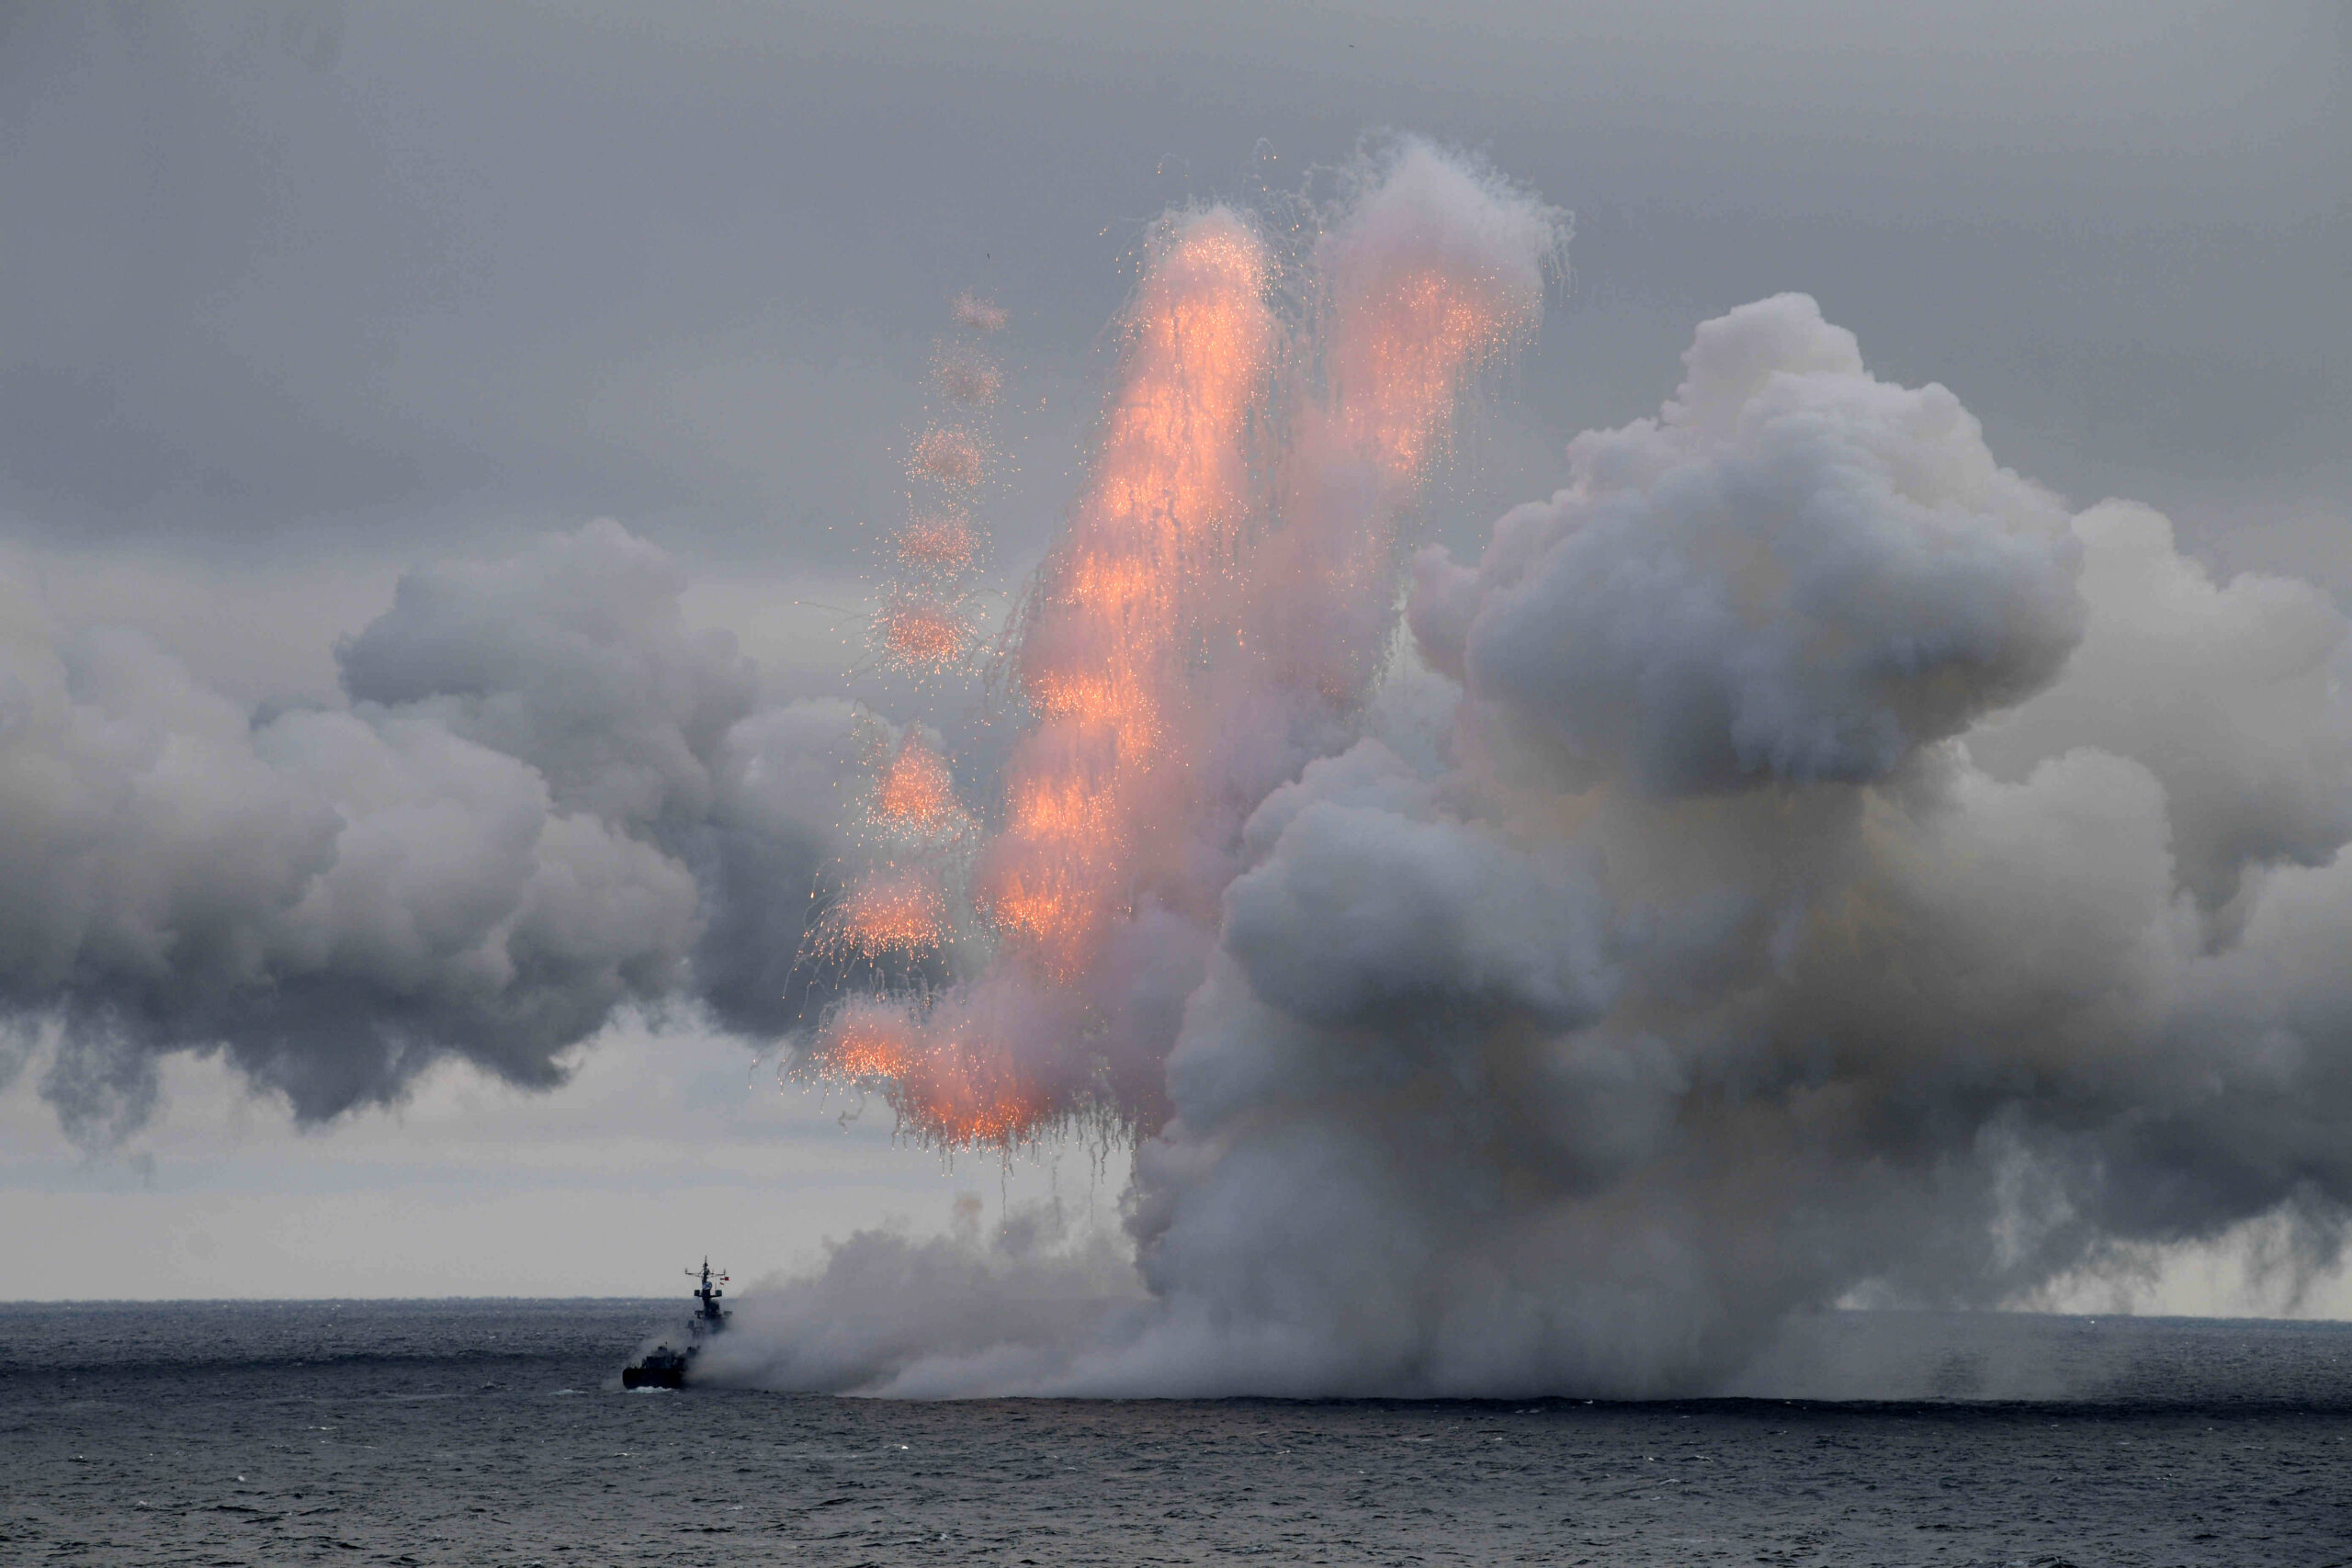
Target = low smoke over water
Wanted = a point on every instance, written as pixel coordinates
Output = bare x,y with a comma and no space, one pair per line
459,1432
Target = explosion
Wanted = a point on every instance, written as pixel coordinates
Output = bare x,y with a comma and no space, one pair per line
896,910
966,376
915,796
924,633
1797,861
980,315
941,545
1233,542
951,455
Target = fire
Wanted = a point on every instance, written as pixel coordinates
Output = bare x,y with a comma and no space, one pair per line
939,544
967,375
1157,529
895,910
915,796
924,634
950,455
1224,584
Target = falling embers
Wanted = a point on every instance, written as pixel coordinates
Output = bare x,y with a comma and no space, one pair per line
1229,560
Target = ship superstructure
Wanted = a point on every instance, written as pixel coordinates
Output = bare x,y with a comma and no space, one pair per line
665,1366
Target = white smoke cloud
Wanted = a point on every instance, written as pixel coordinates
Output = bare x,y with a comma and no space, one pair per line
1847,874
1365,901
1795,572
907,1317
545,800
2223,692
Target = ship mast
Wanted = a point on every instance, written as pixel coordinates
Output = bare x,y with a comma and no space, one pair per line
709,1314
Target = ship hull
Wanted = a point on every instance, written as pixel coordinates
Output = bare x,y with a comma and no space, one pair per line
665,1366
653,1377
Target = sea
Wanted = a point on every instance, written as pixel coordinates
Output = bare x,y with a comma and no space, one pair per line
496,1432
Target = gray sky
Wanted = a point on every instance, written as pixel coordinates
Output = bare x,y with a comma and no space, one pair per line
293,295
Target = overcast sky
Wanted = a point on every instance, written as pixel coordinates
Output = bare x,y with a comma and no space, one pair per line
295,295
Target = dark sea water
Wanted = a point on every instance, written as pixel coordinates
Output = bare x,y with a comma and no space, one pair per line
496,1432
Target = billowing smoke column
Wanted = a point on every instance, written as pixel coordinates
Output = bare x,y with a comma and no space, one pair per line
1801,861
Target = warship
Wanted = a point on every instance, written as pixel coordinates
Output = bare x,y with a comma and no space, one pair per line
664,1367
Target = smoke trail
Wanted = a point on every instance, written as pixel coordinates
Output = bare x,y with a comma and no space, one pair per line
1844,872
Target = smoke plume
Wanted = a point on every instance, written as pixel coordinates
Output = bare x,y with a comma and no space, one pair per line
1801,861
1798,861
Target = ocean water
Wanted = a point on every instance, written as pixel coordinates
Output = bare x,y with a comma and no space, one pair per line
496,1433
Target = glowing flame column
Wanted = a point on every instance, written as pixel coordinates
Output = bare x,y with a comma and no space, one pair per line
1151,553
1435,275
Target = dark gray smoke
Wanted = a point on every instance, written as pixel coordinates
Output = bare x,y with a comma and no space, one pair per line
546,799
1807,862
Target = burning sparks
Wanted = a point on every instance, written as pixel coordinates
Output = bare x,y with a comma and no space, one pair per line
980,315
967,377
1409,344
1150,541
868,1038
1411,322
895,911
923,634
949,1081
915,797
950,455
955,1099
928,625
939,544
1235,542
